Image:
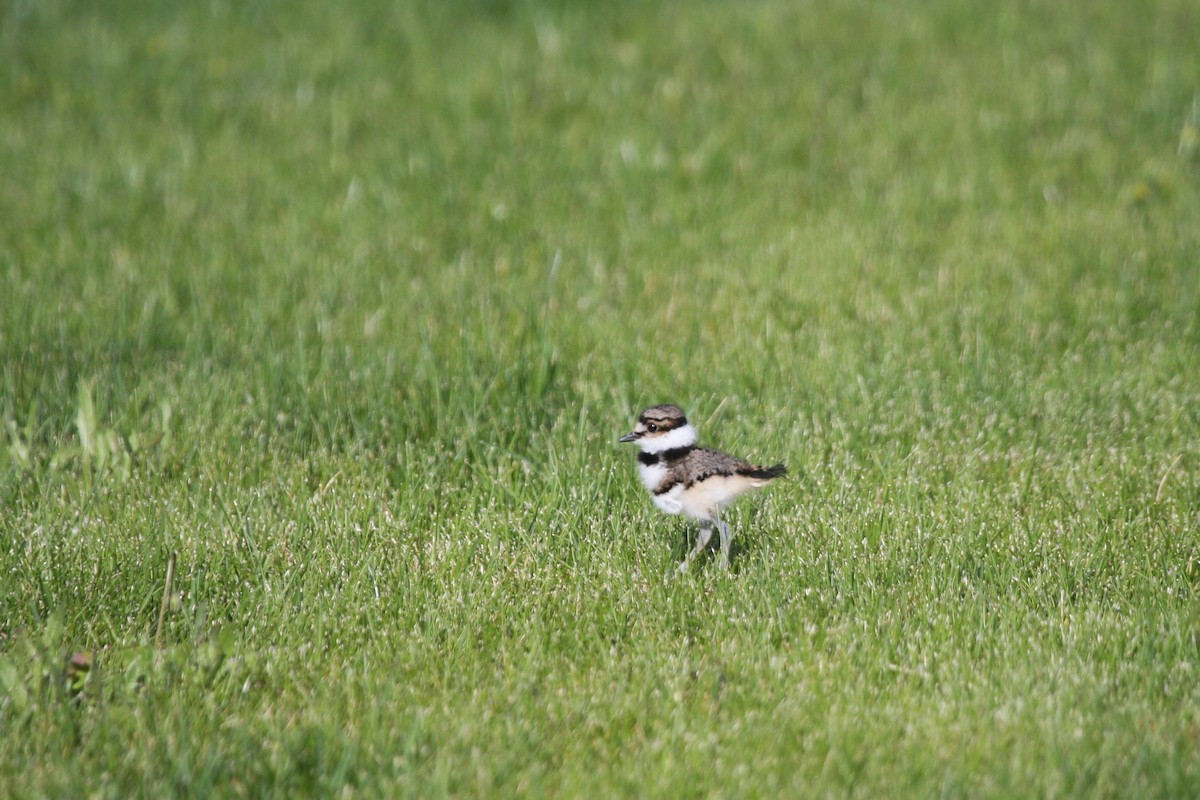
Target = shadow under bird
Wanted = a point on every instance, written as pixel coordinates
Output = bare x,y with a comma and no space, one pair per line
694,481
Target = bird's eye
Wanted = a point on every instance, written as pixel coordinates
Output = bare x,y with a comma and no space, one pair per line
651,427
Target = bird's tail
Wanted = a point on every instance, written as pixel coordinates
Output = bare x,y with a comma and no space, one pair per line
765,473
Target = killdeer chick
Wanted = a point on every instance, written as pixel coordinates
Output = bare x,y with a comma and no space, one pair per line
694,481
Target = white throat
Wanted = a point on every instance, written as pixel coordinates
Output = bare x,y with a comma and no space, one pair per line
671,440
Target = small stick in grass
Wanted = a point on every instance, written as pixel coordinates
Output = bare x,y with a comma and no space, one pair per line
1163,482
166,601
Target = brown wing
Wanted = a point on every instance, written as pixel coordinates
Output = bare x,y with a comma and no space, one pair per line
705,463
700,463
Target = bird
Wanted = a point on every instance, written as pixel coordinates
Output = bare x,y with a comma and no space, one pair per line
694,481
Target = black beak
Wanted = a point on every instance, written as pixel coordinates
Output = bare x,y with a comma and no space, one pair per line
630,437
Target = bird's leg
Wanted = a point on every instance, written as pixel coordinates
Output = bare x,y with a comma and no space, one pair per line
726,539
706,531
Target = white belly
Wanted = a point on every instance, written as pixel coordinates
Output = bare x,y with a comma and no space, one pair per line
704,499
652,477
669,502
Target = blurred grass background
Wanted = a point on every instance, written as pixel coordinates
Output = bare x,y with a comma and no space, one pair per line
346,306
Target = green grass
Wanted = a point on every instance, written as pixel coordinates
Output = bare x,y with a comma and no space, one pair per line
347,307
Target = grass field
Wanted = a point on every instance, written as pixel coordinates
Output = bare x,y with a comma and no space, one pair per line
345,306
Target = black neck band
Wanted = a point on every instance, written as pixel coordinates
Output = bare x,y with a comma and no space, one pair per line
674,454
